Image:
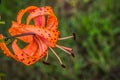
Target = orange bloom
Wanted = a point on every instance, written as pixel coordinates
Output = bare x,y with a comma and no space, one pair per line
40,35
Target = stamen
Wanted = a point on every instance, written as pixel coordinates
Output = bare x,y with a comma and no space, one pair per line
72,54
57,57
64,38
74,36
45,62
67,51
63,66
46,57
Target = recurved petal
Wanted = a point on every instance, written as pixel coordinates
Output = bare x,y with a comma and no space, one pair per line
31,48
5,49
40,12
23,11
22,57
49,36
20,30
18,52
27,59
39,21
52,23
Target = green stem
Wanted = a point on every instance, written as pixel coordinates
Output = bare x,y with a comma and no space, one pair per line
2,22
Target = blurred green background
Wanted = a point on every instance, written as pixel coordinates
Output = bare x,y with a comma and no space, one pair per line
97,48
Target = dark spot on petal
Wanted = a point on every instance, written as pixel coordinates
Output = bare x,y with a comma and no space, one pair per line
38,30
49,35
22,59
22,54
29,62
40,8
54,38
34,60
41,35
41,54
27,57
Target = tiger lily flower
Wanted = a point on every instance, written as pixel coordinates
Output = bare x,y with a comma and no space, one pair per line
40,36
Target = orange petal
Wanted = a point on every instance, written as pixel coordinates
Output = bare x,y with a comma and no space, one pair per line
39,21
40,11
5,50
50,36
23,11
22,57
31,48
26,59
18,52
52,23
42,46
20,30
42,50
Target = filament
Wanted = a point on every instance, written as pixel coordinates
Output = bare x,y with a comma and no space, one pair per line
60,47
66,48
64,38
56,55
46,57
45,62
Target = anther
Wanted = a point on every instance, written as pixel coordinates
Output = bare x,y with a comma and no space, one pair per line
74,36
46,63
72,54
59,36
56,56
63,65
